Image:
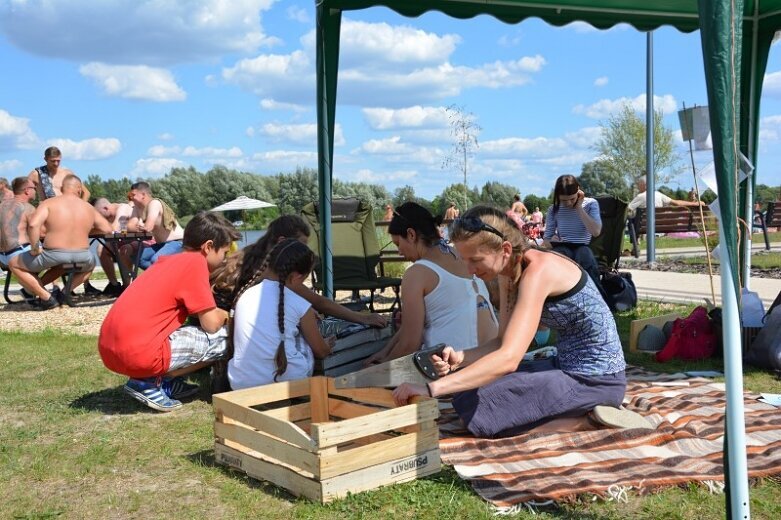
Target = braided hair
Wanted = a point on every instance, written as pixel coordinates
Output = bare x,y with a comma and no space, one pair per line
287,226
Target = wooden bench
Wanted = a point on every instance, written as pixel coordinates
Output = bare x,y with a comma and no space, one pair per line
770,218
670,219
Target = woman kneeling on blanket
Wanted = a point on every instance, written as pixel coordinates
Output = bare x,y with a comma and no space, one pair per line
495,394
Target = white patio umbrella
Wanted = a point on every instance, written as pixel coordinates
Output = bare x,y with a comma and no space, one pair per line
243,203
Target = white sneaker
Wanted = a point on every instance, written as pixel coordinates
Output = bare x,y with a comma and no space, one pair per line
620,418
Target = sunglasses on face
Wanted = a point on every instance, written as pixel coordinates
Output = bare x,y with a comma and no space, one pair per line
475,225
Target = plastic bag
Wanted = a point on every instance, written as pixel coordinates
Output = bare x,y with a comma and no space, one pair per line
752,311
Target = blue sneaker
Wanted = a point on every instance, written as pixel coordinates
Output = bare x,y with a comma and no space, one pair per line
176,388
148,392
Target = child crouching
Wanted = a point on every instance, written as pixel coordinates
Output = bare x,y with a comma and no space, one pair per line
275,331
142,336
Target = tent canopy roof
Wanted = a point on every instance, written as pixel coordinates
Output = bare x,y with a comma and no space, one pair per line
681,14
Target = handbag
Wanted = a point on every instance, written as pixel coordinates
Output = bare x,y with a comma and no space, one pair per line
765,350
692,338
620,290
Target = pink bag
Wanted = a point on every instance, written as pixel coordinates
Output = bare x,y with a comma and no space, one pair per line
692,338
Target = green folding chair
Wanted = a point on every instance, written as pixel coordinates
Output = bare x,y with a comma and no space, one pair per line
355,250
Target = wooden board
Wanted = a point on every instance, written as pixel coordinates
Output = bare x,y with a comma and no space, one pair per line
638,325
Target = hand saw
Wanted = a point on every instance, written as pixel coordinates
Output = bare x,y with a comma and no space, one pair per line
413,368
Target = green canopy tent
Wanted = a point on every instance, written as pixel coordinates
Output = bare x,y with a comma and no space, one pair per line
736,39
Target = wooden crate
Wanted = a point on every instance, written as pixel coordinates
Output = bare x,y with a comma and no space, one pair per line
350,352
326,442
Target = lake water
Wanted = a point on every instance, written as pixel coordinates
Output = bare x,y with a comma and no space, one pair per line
250,237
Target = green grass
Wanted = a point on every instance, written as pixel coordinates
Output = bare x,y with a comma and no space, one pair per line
763,260
673,243
72,445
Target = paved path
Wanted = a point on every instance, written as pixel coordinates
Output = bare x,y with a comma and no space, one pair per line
689,287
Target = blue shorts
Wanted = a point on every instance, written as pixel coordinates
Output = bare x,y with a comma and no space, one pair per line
150,254
8,255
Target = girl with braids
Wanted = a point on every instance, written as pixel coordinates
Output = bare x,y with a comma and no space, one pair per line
275,332
242,266
442,301
495,394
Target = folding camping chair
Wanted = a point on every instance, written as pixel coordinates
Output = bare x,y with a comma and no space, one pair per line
355,250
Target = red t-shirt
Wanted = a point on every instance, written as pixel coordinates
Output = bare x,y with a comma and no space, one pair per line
134,336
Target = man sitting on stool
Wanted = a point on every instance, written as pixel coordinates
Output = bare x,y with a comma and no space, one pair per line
157,218
118,214
68,221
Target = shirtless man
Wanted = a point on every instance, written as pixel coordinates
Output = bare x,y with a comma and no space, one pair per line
68,221
14,215
157,218
519,207
6,193
118,215
48,178
451,212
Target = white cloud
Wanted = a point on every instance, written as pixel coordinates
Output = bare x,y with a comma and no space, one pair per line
770,128
772,84
139,32
87,150
521,146
603,108
165,136
207,152
305,133
13,168
367,175
15,133
297,14
585,137
601,81
212,153
156,167
510,40
400,65
134,82
365,43
410,117
270,104
161,151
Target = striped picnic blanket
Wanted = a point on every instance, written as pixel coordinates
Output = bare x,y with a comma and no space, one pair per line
686,446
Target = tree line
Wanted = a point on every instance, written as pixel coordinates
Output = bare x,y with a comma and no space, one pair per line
187,191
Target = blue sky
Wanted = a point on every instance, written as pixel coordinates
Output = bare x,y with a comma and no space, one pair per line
134,87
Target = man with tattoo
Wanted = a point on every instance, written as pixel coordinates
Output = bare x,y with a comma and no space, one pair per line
14,215
49,177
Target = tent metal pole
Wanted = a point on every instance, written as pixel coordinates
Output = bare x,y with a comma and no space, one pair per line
325,146
750,149
733,372
650,189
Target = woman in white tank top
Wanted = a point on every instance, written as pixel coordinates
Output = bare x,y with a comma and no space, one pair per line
441,301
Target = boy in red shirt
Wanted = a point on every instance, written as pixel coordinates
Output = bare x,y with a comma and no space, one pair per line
142,336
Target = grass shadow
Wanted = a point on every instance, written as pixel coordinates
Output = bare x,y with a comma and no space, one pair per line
205,459
110,401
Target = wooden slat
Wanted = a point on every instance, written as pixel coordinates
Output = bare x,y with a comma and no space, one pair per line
357,352
378,396
348,409
293,482
267,393
260,421
291,413
318,399
274,450
638,325
378,452
401,470
330,434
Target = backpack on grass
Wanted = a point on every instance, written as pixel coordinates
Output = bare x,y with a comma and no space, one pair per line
692,338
